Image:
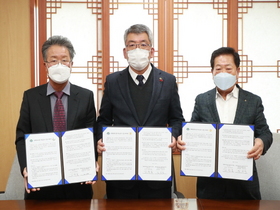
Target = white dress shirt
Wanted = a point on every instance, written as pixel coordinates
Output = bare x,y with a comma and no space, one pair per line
146,74
227,107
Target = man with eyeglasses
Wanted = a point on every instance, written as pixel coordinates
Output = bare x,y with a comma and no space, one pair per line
38,110
140,95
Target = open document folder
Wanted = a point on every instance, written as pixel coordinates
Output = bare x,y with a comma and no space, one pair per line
217,150
60,158
137,153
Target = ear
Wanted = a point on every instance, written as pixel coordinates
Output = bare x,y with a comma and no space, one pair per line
125,53
237,73
46,67
152,52
71,64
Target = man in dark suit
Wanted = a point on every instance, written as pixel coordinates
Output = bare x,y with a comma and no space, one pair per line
37,114
150,101
228,103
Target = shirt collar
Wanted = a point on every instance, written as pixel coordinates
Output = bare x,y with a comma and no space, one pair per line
65,90
234,93
146,73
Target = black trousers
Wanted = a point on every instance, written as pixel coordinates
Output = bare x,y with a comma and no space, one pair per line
138,190
69,191
215,188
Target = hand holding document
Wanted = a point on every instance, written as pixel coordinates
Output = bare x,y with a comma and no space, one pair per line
25,176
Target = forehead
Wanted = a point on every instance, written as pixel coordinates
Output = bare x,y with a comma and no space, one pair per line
58,51
132,37
225,59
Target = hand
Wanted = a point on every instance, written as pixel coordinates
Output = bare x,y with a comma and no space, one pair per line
180,144
100,146
97,169
173,144
25,175
257,149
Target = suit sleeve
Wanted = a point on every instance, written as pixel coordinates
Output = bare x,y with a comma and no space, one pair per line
105,112
91,113
91,120
175,112
195,114
261,128
22,128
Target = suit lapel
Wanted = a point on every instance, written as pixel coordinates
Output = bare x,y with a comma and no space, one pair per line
211,102
157,86
73,104
124,89
45,105
242,103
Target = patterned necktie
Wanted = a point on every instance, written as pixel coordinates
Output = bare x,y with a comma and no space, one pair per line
59,123
140,79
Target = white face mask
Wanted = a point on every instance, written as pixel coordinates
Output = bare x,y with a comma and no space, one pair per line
59,73
138,58
224,81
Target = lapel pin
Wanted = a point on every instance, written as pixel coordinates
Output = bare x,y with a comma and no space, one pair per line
160,79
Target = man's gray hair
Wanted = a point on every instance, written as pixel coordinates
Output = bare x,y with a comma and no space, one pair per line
138,29
58,40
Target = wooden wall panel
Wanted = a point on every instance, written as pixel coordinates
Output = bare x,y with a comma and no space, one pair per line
99,188
185,185
233,24
15,75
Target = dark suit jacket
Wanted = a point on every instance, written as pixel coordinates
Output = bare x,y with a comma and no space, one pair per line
249,111
164,109
36,115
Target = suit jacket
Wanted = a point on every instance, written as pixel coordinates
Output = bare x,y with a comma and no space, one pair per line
117,107
36,115
249,111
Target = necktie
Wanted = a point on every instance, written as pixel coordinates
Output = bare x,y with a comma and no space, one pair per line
59,123
140,79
